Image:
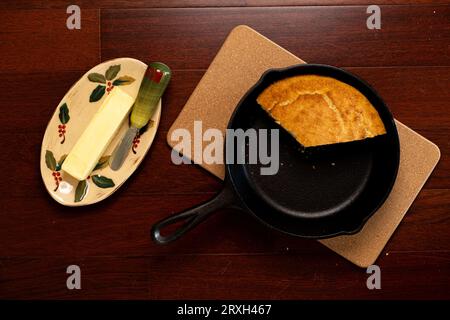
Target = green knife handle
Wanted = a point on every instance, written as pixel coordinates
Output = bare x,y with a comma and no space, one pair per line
153,84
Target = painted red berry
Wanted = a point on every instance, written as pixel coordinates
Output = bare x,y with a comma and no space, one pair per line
138,140
63,126
54,173
60,179
109,83
88,177
59,126
58,174
60,135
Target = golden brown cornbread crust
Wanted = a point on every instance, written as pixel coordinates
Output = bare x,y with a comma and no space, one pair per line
320,110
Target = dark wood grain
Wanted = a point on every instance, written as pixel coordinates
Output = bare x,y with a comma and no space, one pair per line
39,41
108,4
286,275
230,255
330,35
99,229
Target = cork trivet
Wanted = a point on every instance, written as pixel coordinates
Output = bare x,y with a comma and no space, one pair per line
244,56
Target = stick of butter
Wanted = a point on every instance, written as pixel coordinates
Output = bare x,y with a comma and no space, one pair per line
96,137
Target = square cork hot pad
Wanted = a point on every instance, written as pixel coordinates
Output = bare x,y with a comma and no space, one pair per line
244,56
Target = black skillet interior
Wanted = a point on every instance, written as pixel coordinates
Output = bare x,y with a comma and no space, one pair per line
317,192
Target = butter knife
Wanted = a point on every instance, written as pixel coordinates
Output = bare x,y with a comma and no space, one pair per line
152,87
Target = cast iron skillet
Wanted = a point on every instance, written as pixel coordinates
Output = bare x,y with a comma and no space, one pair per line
318,192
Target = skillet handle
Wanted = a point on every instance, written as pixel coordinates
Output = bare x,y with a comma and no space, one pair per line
192,217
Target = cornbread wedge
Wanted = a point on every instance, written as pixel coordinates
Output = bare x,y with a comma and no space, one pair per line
319,110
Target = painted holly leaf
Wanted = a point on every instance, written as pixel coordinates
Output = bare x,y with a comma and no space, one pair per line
102,181
50,160
64,113
102,163
81,190
96,77
97,93
60,162
112,72
123,81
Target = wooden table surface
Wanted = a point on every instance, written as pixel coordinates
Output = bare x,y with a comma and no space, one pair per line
228,256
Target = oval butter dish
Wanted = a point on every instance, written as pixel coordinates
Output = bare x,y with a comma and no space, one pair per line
70,119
